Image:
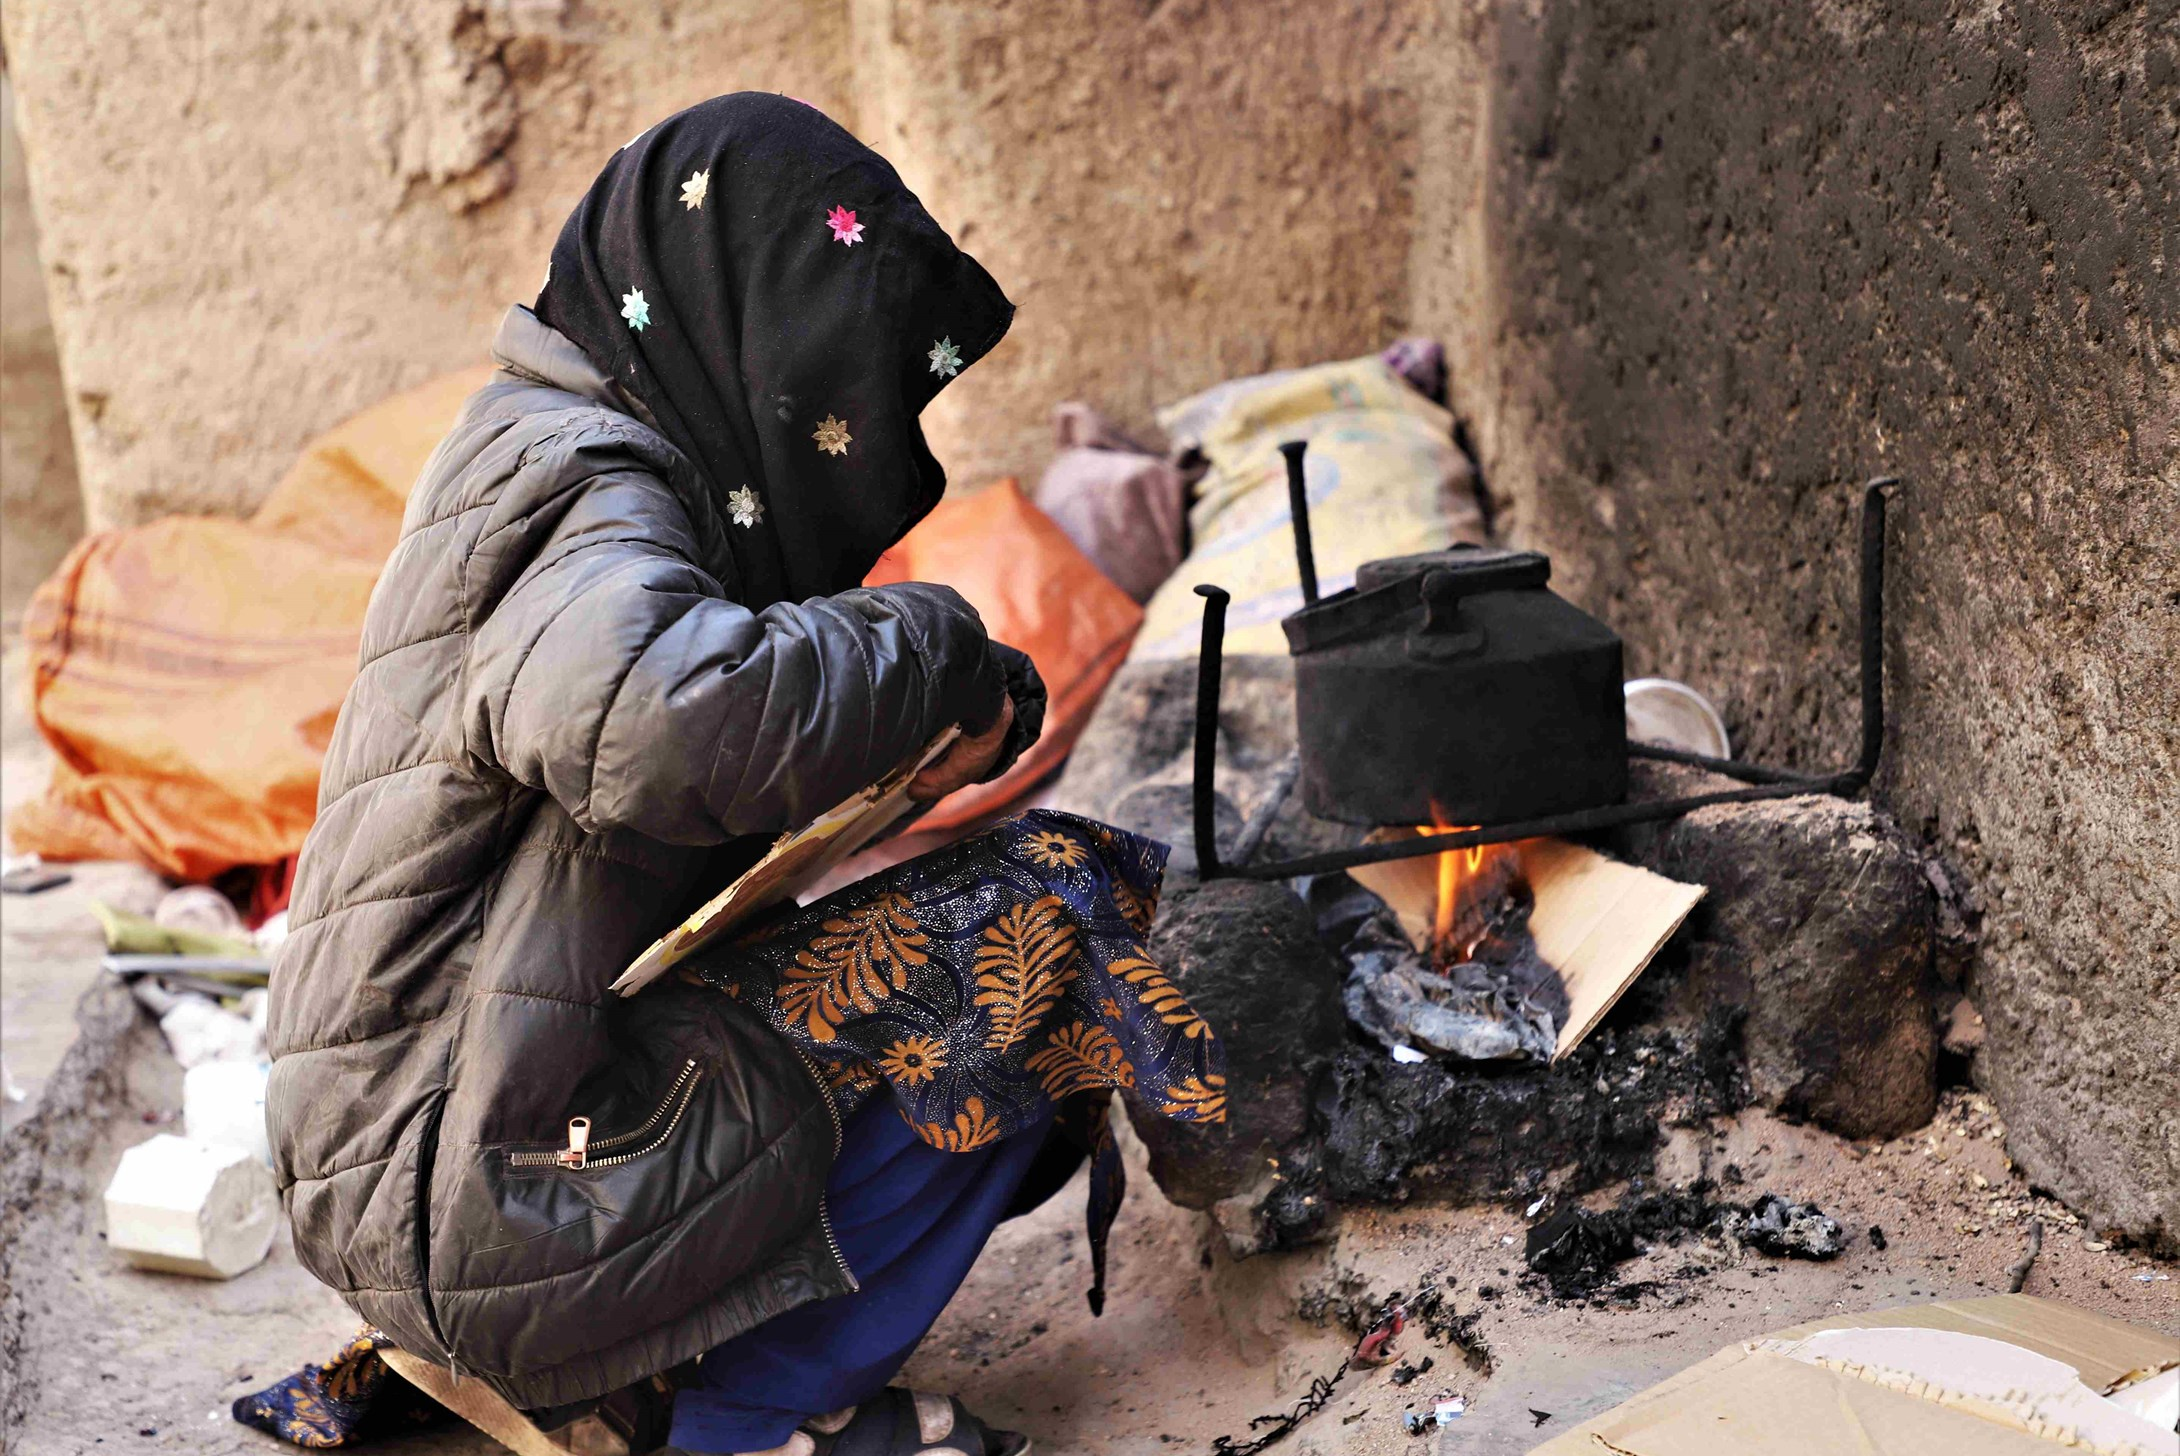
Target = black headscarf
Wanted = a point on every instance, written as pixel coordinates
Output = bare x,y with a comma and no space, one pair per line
765,286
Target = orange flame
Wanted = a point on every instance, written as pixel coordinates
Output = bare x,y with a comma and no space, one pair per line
1456,868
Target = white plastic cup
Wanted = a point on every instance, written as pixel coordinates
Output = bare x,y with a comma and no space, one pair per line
1674,714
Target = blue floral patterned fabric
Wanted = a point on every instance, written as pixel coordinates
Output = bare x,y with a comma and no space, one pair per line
988,985
352,1398
986,982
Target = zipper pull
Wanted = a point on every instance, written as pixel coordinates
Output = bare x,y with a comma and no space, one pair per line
576,1154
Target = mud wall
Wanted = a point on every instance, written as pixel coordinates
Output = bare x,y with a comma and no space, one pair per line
263,216
1708,266
259,217
38,496
1172,193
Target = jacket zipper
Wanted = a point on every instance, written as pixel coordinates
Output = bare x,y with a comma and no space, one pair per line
582,1149
825,1215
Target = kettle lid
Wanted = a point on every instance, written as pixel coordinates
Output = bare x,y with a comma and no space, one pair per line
1460,570
1388,590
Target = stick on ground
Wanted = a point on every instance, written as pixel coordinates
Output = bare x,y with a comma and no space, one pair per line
2018,1273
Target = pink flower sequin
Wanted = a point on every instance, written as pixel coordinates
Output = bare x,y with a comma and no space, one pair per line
845,228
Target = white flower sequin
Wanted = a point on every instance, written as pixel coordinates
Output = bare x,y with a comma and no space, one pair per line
945,357
694,190
744,508
635,310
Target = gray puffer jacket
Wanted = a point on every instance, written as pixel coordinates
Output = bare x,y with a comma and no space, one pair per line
564,735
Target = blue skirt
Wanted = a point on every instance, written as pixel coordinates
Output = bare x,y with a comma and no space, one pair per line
910,1219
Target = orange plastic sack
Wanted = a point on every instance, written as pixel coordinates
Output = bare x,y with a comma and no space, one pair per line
187,672
1036,590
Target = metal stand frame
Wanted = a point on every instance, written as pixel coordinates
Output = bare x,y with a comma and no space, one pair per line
1768,782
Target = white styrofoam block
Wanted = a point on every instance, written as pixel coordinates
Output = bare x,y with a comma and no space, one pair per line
223,1103
190,1208
199,1030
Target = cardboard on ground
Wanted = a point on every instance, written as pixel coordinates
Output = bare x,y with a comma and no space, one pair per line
1984,1376
1596,921
800,857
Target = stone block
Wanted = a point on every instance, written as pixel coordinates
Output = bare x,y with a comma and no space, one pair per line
1249,960
1820,927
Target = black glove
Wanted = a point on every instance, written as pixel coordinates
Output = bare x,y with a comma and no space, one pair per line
1027,691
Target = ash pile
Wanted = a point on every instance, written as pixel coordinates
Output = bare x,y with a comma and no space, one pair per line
1382,1053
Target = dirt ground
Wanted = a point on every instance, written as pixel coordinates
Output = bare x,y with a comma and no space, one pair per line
1193,1343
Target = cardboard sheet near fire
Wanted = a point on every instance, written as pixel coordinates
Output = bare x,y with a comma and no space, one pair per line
1594,920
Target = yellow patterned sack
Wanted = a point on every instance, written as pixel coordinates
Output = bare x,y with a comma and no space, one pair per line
1385,479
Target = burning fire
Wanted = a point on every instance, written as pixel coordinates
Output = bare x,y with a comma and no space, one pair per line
1458,871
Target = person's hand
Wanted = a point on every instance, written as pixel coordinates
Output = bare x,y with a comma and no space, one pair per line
967,761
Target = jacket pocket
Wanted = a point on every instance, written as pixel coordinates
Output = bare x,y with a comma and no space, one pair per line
583,1151
427,1155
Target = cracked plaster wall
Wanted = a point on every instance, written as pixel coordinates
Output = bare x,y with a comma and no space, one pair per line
1707,266
38,491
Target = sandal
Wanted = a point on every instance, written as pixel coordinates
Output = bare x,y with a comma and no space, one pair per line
899,1422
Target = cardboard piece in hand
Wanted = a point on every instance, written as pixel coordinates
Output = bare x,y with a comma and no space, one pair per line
799,858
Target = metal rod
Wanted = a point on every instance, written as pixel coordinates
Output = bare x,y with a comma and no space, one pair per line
1733,768
1871,634
1579,821
1298,511
1208,668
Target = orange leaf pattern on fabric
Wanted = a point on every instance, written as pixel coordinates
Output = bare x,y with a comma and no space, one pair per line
1080,1058
1197,1099
1024,964
351,1398
1159,993
1137,910
998,987
853,1077
971,1129
857,961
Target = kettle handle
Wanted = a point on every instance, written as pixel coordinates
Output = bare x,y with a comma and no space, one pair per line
1444,632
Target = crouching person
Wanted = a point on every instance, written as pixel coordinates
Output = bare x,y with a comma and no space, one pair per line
621,646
